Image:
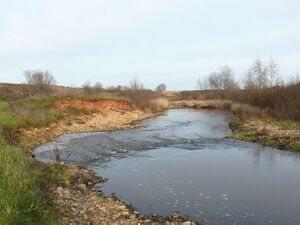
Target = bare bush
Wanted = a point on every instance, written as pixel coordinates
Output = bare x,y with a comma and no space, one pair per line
279,101
239,108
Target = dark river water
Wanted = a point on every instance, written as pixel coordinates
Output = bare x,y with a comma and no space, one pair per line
183,162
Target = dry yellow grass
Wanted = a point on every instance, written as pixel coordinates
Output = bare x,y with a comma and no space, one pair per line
159,104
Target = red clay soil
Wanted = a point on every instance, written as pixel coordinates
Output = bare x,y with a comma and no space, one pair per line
102,105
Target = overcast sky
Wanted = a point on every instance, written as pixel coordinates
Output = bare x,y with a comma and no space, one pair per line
170,41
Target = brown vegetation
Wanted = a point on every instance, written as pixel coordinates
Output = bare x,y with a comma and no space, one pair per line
264,89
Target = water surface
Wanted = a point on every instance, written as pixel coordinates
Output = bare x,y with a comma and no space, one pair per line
183,162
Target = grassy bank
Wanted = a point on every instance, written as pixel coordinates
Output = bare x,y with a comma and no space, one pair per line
25,122
281,134
21,198
20,194
21,183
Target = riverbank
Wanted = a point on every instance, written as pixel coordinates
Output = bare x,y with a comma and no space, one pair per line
68,187
284,135
84,116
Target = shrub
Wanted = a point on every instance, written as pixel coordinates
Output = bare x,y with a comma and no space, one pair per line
281,101
141,98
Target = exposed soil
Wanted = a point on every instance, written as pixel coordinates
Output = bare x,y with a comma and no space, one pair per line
103,105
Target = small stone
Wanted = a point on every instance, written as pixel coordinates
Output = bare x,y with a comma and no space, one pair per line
132,217
188,223
91,209
59,190
125,213
82,186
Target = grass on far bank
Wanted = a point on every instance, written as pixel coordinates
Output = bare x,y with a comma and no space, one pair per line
281,134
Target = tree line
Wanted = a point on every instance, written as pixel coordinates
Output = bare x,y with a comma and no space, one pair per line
260,75
41,82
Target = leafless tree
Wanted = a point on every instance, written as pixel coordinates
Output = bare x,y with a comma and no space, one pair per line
98,86
135,85
273,76
249,82
227,78
87,88
202,83
257,76
294,79
39,80
215,80
221,80
262,75
161,87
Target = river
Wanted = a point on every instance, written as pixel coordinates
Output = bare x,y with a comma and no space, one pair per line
183,162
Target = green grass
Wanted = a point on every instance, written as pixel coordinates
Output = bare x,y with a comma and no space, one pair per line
34,112
20,197
39,120
3,105
74,111
36,102
10,121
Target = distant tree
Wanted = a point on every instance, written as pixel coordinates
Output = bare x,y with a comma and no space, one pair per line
249,82
257,76
202,83
87,88
161,87
41,81
135,85
98,86
227,78
215,80
221,80
294,79
273,75
261,75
